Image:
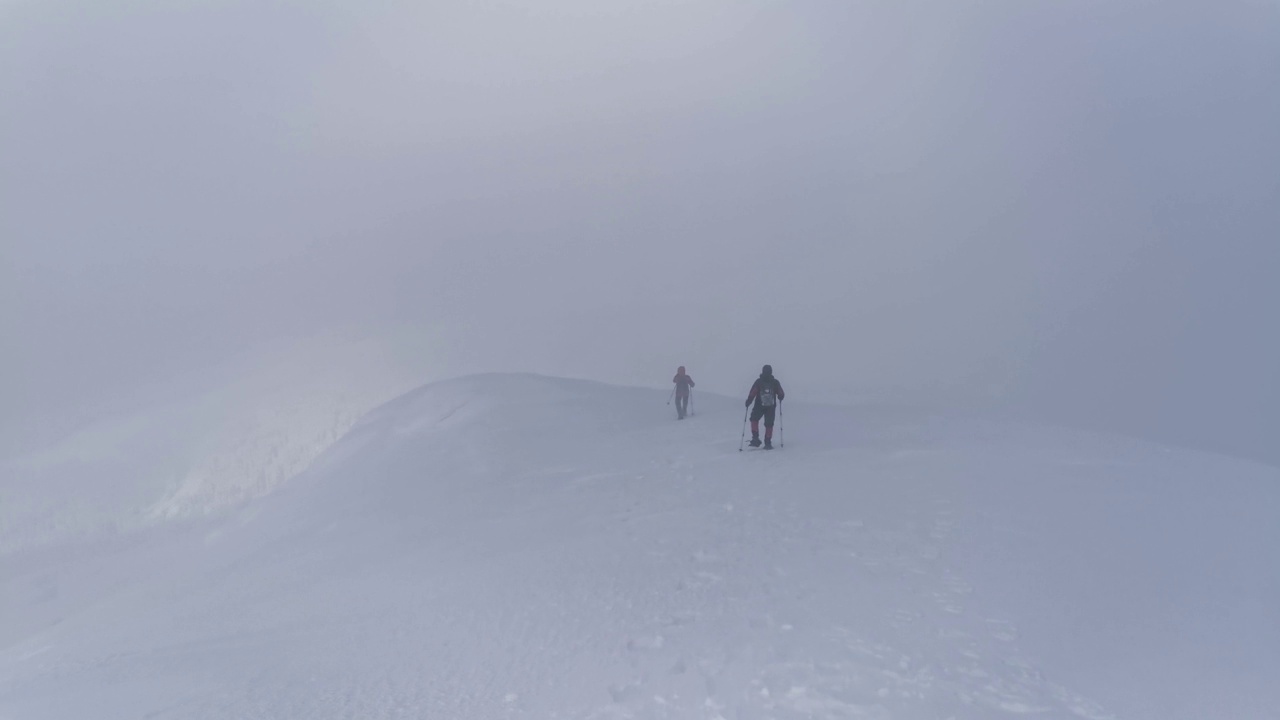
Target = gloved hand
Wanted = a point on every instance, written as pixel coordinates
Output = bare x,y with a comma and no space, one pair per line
746,404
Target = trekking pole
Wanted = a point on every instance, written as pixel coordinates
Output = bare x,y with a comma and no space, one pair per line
782,428
743,439
673,394
690,402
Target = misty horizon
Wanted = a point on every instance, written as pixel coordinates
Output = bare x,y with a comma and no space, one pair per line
1064,212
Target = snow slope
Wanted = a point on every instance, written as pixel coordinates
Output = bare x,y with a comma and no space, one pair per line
216,440
526,547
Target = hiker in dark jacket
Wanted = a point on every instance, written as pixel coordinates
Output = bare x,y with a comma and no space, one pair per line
683,383
766,393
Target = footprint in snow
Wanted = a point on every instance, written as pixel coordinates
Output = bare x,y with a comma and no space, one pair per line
1002,630
902,618
681,619
643,644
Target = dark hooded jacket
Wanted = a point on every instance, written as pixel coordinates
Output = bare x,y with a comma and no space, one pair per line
765,380
683,383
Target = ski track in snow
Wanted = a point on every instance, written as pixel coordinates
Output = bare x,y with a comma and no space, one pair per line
543,557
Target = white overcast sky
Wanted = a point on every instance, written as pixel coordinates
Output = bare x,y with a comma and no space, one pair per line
1068,208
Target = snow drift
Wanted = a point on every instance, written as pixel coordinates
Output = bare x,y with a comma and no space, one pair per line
525,547
195,445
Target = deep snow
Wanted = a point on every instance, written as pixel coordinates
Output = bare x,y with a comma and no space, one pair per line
525,547
195,445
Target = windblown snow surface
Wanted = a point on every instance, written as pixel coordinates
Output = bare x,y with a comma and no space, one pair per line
525,547
198,445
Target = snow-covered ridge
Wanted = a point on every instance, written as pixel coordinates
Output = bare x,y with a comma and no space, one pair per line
206,450
528,547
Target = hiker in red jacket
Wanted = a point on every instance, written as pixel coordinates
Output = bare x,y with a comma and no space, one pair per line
683,383
766,393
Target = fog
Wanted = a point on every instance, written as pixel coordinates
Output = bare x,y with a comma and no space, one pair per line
1062,211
